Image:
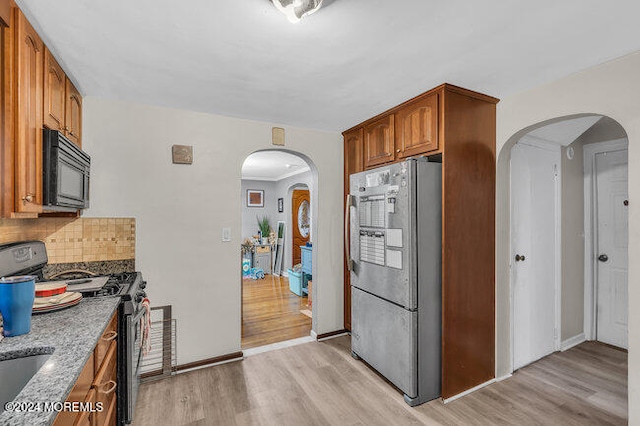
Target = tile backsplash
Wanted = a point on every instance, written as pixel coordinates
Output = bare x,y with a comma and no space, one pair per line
75,239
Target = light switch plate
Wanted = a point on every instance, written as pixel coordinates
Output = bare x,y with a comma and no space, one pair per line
226,235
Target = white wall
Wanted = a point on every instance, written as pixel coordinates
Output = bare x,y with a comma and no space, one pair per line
572,229
250,215
611,89
181,209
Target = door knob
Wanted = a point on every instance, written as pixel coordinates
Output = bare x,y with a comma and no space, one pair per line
519,258
603,258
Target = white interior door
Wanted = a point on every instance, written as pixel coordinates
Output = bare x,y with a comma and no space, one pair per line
612,242
534,190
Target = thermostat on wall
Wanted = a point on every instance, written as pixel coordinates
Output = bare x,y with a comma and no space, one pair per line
182,154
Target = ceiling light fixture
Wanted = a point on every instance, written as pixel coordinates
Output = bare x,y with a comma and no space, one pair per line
295,10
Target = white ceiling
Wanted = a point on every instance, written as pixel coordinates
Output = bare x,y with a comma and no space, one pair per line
565,132
272,166
339,66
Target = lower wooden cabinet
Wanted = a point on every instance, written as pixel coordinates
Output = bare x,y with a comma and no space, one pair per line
97,385
85,418
105,385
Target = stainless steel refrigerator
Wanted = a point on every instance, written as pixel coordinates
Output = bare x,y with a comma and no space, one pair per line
395,250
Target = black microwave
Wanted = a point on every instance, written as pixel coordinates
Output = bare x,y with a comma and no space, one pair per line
65,177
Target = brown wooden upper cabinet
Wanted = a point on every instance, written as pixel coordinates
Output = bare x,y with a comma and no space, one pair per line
410,130
353,143
353,163
62,101
28,143
379,141
36,93
73,115
417,127
54,92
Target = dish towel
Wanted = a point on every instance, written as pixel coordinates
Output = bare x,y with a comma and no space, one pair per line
145,327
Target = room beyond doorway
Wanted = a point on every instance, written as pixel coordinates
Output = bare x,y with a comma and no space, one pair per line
277,291
568,254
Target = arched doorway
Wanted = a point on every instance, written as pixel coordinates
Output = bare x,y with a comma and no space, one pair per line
561,217
276,296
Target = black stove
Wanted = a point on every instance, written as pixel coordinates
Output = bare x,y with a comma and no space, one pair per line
124,284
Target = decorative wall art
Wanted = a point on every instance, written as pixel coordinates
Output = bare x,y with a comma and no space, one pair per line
255,198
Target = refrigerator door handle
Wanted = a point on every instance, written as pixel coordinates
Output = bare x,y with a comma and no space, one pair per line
347,228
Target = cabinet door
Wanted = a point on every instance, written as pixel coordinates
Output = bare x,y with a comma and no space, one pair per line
85,418
79,393
379,142
417,127
28,151
105,384
54,92
353,163
73,116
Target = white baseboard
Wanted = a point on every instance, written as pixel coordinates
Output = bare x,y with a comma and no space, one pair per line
572,341
314,335
505,377
275,346
467,392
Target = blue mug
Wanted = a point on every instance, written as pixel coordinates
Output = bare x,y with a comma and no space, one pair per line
16,304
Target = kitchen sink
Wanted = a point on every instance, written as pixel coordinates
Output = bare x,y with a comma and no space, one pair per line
16,373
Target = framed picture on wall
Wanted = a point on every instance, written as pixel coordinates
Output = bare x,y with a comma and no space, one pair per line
280,205
255,198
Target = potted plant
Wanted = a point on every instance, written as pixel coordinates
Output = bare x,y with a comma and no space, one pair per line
265,229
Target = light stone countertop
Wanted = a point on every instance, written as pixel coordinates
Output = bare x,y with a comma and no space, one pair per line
70,336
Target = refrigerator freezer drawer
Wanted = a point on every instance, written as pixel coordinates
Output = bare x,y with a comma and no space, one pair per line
384,335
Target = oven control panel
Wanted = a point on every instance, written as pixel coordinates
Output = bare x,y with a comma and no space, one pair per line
17,257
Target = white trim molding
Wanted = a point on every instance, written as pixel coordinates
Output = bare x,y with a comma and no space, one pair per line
572,341
505,377
590,234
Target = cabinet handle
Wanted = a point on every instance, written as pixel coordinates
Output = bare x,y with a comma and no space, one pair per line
398,151
28,198
66,128
112,387
71,133
110,336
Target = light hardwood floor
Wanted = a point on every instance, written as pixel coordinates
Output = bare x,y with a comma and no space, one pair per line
271,312
321,384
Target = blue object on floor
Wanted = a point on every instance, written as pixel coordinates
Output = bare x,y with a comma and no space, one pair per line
246,267
297,283
16,303
256,273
